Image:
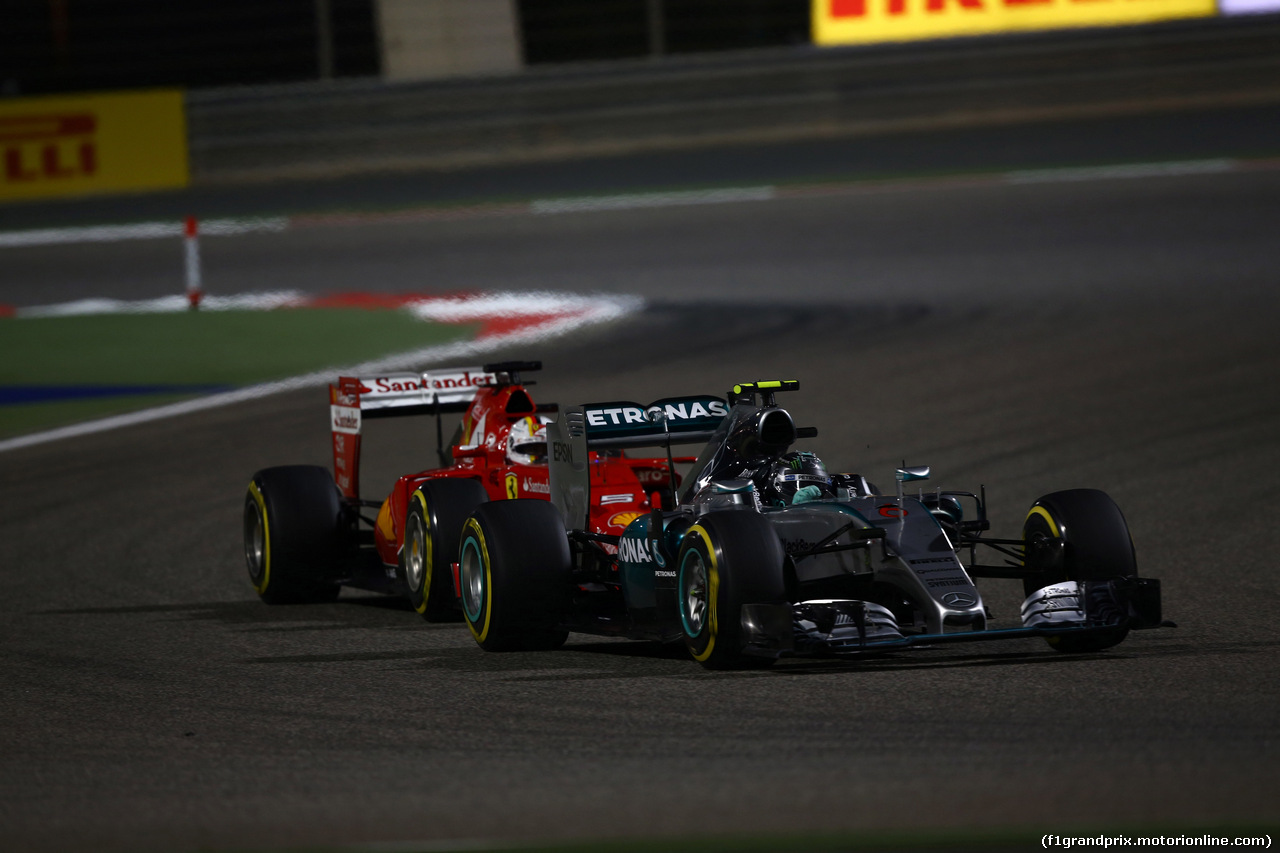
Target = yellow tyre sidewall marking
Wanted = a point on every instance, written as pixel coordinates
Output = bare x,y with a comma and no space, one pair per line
482,634
427,552
1044,513
266,539
713,592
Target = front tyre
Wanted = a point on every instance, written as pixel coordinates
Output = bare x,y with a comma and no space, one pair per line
295,534
514,564
726,560
432,529
1096,546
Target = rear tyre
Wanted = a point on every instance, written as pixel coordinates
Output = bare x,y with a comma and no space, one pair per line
1097,547
432,529
514,564
726,560
295,534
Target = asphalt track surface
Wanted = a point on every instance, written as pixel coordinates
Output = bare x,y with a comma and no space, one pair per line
1109,333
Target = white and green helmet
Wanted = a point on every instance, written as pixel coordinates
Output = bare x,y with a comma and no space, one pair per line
798,470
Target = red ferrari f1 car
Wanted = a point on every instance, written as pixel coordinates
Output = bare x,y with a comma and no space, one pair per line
306,534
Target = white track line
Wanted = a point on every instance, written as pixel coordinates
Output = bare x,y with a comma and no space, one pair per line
175,304
1126,171
137,231
468,309
591,311
643,200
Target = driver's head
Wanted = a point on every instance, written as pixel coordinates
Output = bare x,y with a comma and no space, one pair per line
799,472
527,441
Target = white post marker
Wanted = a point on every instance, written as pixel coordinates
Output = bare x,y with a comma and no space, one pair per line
192,240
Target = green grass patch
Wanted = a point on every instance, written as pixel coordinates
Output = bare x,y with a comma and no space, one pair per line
196,347
233,348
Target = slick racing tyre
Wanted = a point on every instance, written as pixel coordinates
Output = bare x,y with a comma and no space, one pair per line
514,564
295,534
1096,547
726,560
432,528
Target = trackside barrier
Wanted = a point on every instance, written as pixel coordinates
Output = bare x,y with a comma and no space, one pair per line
126,142
360,126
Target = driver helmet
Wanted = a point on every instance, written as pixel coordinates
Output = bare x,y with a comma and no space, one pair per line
800,472
527,441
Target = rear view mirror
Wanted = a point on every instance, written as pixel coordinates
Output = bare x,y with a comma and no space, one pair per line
915,472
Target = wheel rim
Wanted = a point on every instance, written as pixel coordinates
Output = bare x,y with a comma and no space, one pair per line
255,541
693,593
472,570
414,565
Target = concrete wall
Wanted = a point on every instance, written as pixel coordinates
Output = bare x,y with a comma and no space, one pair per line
432,39
350,127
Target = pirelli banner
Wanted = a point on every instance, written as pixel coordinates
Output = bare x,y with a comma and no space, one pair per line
81,144
860,21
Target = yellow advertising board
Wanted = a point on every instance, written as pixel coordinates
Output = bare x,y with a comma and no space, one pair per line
81,144
860,21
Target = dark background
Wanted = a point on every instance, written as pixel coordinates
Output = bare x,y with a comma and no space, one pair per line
64,46
572,30
1112,332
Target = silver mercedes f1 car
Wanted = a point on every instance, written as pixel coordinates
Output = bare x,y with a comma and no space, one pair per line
763,554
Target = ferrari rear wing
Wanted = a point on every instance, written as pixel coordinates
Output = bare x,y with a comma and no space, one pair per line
392,395
432,392
613,426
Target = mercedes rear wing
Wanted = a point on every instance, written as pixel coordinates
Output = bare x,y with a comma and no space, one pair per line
615,426
432,392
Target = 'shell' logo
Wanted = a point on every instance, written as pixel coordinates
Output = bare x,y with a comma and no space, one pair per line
48,147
